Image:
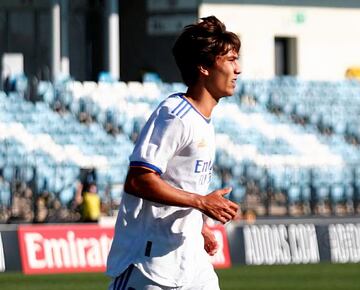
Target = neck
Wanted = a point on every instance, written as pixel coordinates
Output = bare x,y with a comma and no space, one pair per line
202,100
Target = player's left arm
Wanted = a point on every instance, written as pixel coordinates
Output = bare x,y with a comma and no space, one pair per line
210,243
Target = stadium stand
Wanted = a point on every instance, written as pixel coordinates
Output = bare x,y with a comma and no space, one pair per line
286,146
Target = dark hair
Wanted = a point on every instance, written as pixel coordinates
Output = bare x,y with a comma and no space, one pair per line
200,44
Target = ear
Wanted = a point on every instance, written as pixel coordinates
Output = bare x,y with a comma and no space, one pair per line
203,70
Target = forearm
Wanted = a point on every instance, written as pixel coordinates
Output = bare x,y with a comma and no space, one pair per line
148,185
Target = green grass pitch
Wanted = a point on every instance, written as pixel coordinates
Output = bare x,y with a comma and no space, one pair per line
292,277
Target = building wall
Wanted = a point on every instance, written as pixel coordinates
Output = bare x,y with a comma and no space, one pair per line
328,38
25,28
140,50
25,31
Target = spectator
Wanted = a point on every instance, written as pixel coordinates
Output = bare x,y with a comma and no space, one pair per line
57,212
91,204
5,199
42,207
22,209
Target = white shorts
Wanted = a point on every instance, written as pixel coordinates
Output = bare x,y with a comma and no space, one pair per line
133,279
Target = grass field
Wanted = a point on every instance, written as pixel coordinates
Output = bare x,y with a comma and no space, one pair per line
293,277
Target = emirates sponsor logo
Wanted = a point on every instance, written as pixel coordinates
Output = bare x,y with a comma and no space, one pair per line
68,252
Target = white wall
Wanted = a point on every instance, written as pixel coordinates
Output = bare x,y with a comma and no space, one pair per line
328,38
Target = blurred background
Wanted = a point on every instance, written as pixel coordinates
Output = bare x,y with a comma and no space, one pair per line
79,79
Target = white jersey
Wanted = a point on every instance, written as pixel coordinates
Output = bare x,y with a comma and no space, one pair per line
165,242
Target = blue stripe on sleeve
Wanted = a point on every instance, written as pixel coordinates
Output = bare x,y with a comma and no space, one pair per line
182,109
147,165
178,106
185,112
208,120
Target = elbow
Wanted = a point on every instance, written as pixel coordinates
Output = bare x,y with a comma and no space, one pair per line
130,186
134,184
139,182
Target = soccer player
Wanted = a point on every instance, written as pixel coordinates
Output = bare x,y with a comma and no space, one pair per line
161,240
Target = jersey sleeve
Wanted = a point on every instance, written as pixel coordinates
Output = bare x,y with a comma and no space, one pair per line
162,136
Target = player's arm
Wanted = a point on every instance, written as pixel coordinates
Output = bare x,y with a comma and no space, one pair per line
211,245
147,184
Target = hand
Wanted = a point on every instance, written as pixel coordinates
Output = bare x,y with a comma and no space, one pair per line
210,244
216,206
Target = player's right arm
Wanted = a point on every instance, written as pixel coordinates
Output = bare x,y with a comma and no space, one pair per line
147,184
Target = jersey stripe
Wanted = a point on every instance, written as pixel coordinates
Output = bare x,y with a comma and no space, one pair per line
182,109
118,281
128,274
185,112
177,107
207,120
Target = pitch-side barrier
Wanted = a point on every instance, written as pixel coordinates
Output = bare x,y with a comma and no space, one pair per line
65,248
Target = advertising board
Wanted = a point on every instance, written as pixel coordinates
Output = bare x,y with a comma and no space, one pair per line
9,249
64,248
82,248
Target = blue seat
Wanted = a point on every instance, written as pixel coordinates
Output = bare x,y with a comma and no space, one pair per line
337,193
294,193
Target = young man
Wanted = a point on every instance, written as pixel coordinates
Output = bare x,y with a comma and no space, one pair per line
160,238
